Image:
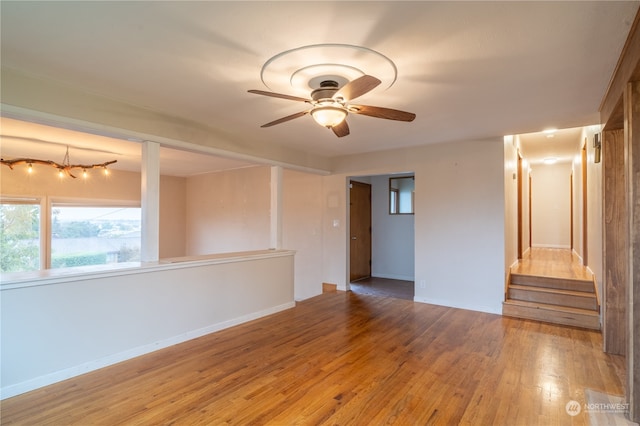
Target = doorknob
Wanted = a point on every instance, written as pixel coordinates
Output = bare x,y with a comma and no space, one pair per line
353,238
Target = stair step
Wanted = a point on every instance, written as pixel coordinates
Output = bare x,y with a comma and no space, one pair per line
563,315
554,296
553,282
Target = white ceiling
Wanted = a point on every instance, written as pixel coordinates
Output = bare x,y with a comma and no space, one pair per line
20,139
563,145
468,70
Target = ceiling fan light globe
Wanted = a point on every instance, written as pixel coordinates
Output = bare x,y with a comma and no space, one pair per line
328,116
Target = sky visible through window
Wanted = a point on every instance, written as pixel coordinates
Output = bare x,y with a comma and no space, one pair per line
69,214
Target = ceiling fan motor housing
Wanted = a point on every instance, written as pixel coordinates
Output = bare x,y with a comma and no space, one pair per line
327,89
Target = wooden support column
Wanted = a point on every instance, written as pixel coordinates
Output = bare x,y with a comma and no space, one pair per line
150,193
614,244
632,159
620,109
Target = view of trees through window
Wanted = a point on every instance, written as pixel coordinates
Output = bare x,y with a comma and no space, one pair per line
19,237
80,236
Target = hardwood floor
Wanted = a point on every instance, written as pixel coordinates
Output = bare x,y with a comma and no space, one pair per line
552,285
400,289
551,262
344,359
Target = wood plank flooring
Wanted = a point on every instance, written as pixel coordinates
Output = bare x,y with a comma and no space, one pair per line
384,287
551,262
344,359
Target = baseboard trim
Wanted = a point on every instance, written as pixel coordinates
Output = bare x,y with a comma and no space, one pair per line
575,253
484,309
553,246
58,376
394,277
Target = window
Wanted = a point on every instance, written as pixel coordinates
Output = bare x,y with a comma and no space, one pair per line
89,235
19,235
401,195
81,234
394,201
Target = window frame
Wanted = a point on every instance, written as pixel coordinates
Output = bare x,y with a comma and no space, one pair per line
54,202
47,204
396,191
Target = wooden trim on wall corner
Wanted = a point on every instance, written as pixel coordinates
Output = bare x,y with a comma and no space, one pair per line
627,69
329,288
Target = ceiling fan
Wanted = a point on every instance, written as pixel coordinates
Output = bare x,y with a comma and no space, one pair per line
330,104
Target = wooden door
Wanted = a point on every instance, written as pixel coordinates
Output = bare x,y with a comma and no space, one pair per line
360,230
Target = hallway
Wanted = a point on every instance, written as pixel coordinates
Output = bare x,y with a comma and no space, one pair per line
551,262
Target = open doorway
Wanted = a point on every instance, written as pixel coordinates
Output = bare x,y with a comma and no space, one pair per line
389,269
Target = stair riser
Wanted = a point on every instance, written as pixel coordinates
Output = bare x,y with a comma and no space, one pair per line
562,318
556,283
554,299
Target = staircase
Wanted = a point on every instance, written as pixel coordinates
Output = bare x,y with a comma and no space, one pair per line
563,301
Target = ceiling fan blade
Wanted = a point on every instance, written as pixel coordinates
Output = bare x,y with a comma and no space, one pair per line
357,87
287,118
341,129
279,95
379,112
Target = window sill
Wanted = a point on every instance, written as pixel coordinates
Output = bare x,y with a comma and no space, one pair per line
14,280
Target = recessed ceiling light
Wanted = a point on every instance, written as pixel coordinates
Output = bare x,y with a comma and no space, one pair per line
550,131
550,160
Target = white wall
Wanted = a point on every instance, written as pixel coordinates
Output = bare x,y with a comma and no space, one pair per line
56,329
334,231
173,211
460,239
229,211
526,172
392,253
510,202
44,181
594,208
551,205
302,220
459,220
526,237
577,206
